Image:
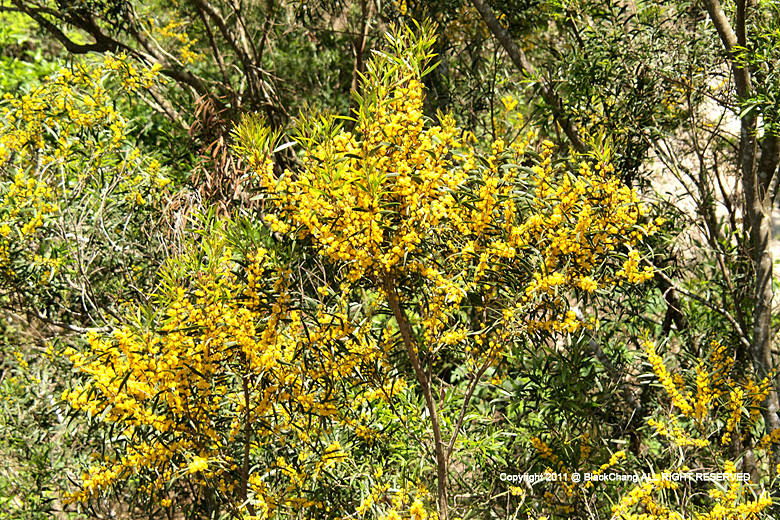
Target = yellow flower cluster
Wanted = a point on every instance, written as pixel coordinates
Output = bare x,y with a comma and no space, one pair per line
509,102
25,206
722,383
544,450
131,77
735,404
680,399
576,222
565,492
404,503
727,501
704,394
173,31
585,447
769,439
229,351
384,193
399,198
78,106
613,460
642,495
67,139
677,434
723,393
631,271
197,465
72,124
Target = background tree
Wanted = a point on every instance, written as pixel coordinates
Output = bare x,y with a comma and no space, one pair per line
601,62
466,235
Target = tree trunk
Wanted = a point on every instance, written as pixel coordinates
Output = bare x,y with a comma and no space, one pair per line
758,216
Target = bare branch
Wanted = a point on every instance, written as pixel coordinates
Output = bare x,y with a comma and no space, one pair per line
213,43
723,312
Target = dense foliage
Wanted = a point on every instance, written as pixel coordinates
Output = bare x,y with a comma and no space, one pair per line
324,260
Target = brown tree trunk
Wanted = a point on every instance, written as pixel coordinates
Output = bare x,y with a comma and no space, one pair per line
520,61
360,43
758,215
425,385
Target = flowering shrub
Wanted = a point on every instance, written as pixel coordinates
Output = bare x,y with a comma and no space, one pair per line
78,206
262,377
399,198
408,318
70,176
718,413
233,388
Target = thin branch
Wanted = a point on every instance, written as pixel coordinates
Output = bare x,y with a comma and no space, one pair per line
102,42
467,399
247,444
269,15
597,351
425,385
726,314
175,73
213,43
520,61
66,326
163,106
216,17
